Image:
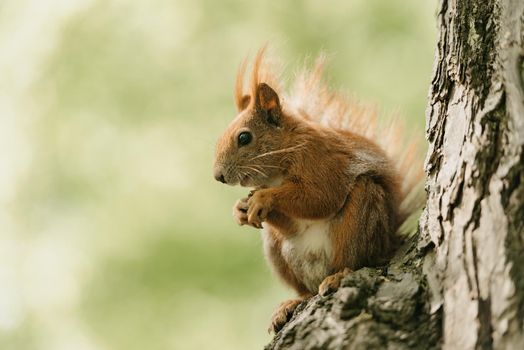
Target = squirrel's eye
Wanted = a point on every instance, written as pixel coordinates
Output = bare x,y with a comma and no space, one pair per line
244,138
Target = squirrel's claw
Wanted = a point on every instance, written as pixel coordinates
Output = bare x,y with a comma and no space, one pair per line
259,206
256,215
331,283
240,211
283,314
240,215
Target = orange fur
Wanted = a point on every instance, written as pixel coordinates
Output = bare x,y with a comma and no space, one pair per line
330,183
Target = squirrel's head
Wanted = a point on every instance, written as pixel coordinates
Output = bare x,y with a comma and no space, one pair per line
245,153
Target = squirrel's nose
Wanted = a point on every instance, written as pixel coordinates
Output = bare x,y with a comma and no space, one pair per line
220,177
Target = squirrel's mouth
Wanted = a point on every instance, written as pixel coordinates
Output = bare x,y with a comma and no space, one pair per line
244,182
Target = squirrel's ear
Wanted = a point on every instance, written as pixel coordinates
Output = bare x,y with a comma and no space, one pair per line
243,103
267,100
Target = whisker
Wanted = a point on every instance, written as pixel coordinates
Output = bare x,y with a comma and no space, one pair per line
288,149
256,166
266,166
241,175
228,172
253,169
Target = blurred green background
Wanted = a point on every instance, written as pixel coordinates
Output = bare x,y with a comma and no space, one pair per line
113,233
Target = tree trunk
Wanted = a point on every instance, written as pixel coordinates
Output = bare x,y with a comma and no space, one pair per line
459,283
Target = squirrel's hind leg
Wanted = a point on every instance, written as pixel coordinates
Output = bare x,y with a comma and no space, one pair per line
331,283
284,312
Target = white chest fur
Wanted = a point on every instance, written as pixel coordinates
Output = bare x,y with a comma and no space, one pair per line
309,253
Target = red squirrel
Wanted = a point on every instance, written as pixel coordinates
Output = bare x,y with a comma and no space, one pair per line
327,198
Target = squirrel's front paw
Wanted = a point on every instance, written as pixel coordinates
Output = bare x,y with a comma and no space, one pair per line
259,205
240,213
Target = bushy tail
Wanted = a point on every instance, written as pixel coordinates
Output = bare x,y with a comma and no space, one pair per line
312,99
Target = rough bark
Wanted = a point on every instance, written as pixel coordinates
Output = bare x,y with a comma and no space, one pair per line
459,283
475,209
374,309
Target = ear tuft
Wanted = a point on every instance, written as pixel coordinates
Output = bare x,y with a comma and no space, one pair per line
267,98
243,103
